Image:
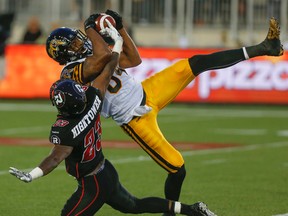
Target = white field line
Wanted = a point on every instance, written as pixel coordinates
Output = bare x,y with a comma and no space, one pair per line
27,107
189,154
41,128
214,161
283,133
230,131
197,113
216,112
286,214
221,112
240,131
23,130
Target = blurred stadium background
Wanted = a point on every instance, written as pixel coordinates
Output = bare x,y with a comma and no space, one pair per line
247,178
187,23
164,31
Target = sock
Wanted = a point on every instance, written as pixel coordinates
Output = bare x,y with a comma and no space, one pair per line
181,208
217,60
177,207
256,50
173,184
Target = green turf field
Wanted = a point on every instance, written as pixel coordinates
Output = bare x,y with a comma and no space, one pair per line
249,179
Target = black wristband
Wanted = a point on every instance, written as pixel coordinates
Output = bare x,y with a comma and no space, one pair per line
116,17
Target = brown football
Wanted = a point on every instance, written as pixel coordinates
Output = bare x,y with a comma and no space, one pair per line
101,21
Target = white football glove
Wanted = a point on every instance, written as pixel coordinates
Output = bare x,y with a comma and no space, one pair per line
23,176
111,32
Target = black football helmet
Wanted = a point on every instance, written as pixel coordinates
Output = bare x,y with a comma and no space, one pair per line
68,96
60,45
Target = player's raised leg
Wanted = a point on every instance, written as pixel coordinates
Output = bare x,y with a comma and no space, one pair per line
270,46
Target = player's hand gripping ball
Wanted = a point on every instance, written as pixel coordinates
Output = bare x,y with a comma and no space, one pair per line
101,21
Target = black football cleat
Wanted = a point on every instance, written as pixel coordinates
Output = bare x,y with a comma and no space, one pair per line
272,43
200,209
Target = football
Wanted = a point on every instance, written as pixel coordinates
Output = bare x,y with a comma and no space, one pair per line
101,23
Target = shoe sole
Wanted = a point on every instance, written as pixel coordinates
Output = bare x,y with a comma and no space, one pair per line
274,33
274,29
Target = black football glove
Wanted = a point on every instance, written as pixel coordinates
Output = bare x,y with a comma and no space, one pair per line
90,22
117,18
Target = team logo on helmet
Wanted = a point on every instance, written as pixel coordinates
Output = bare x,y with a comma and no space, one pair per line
59,98
54,47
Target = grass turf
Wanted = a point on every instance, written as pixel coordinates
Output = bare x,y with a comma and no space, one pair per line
250,179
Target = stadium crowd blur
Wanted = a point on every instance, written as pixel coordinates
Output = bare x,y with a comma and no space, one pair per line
153,23
161,23
33,32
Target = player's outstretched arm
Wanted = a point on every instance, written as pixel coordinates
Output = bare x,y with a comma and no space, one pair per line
271,46
57,155
95,63
130,56
102,81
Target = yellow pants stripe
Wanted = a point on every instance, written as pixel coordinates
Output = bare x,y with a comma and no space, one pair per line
154,155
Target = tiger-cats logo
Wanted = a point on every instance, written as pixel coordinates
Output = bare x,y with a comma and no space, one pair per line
54,47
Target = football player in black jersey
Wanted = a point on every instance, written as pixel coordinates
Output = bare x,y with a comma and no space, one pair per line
76,135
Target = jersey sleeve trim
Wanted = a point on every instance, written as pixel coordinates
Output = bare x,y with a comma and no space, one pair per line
78,73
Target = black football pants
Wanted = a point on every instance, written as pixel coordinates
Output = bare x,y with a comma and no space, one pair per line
93,191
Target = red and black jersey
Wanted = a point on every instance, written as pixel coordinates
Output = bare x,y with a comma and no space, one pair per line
83,133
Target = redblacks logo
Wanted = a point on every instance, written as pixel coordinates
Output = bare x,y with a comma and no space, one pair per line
60,123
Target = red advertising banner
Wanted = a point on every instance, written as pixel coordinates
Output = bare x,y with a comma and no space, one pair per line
29,72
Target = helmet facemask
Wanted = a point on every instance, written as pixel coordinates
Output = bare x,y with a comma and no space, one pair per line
79,47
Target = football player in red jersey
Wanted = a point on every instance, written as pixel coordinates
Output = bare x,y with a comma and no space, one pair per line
76,136
135,106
